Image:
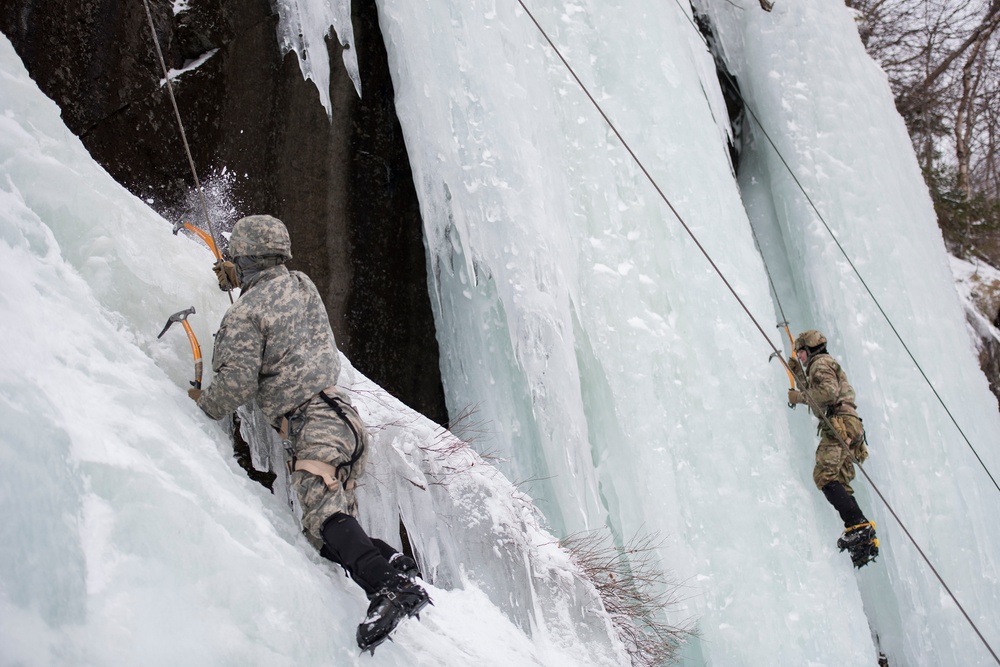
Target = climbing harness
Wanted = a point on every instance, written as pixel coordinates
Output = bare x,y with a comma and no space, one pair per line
214,245
359,445
339,475
756,323
329,474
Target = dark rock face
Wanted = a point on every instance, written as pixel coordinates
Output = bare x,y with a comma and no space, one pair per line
342,185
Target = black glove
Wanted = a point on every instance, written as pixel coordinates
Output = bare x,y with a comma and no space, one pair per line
226,274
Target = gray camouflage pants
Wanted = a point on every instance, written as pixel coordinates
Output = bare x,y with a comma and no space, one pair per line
327,437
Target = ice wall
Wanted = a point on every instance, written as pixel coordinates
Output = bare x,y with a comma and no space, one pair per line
130,536
622,380
829,110
578,317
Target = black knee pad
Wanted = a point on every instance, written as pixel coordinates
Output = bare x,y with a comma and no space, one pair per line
346,543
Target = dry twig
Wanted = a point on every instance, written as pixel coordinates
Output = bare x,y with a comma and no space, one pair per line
635,593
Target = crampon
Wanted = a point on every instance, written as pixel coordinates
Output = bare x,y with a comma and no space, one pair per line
860,542
387,609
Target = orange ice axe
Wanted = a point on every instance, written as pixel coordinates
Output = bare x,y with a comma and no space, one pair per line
791,377
200,233
195,348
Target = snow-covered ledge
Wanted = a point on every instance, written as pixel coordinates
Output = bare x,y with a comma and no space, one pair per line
467,524
978,285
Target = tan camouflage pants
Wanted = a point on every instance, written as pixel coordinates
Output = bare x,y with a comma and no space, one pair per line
326,437
834,462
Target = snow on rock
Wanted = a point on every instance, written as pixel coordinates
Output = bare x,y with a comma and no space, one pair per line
978,286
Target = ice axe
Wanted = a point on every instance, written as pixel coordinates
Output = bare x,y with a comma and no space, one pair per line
207,240
791,377
201,234
195,348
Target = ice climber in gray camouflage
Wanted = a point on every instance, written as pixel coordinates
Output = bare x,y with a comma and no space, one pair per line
824,388
275,345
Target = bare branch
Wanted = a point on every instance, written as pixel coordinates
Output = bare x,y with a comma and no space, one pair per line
635,593
912,98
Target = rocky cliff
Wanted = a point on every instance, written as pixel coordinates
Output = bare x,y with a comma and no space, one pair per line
262,143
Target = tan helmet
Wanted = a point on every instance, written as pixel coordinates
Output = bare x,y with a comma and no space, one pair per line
808,340
260,235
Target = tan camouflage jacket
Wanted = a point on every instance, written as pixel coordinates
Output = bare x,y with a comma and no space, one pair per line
274,344
827,385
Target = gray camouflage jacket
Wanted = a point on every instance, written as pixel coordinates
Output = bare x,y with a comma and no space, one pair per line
274,344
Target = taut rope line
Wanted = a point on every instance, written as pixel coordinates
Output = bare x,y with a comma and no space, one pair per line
180,126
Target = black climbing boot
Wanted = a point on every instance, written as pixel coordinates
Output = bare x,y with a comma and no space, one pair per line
399,600
860,542
405,565
402,563
394,596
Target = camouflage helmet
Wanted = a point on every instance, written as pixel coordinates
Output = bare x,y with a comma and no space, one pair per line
260,235
808,340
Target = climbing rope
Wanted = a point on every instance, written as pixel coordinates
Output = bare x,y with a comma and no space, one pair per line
753,319
180,126
784,320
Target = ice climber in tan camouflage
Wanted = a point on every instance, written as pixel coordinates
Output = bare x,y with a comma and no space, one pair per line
275,345
823,386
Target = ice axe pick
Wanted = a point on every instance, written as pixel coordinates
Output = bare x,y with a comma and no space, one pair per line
201,234
208,240
195,348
